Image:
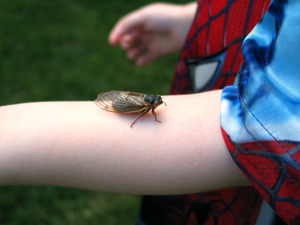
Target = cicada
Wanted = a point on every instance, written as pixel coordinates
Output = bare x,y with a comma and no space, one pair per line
129,102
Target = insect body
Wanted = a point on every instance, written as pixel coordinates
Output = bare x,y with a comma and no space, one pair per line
129,102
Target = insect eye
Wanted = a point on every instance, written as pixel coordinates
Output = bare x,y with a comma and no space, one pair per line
160,101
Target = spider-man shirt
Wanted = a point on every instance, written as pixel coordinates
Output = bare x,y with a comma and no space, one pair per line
265,151
261,115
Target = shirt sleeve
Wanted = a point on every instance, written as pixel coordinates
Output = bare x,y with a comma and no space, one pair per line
260,116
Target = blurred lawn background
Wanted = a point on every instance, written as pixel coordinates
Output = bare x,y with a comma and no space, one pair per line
57,51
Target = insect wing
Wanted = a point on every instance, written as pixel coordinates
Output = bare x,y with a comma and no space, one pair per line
105,100
120,101
134,103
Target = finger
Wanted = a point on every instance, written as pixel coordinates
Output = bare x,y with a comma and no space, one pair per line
133,53
140,47
145,59
127,24
126,42
129,40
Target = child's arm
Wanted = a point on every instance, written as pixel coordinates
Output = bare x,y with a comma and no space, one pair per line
76,144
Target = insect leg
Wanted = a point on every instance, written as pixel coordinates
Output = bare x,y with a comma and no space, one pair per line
140,117
154,113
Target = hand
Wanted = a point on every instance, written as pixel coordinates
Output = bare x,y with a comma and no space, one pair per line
153,31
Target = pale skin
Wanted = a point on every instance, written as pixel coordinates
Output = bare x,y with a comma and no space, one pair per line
76,144
153,31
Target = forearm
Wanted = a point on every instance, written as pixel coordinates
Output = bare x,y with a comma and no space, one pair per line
76,144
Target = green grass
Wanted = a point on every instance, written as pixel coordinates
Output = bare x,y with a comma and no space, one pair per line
51,205
55,51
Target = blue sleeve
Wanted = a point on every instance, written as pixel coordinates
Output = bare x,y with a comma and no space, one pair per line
260,116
